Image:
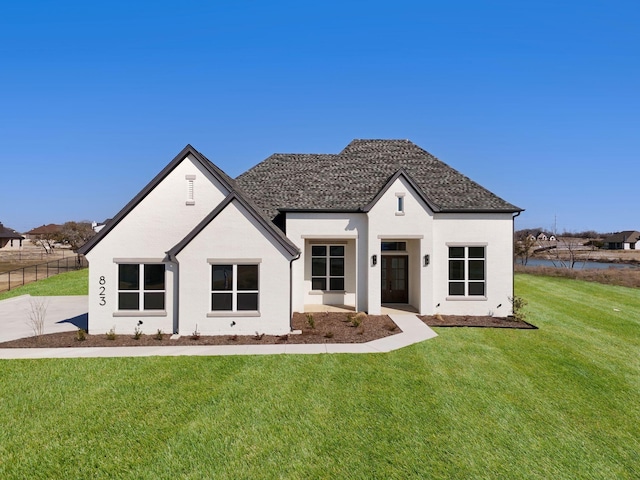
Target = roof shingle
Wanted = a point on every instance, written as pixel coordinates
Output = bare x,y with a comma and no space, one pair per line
351,179
9,233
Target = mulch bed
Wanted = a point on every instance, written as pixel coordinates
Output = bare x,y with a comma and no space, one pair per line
329,327
469,321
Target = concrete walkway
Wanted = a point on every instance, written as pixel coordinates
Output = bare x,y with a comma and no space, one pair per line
67,313
63,314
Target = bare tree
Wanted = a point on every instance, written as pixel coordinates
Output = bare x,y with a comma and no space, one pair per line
46,241
524,246
75,234
569,251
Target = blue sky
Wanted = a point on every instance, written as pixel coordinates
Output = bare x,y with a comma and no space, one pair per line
537,101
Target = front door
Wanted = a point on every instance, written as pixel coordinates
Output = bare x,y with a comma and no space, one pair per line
395,279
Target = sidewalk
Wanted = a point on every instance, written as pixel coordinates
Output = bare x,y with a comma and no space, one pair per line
65,313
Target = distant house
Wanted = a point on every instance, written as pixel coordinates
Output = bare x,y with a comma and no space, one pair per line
627,240
43,231
99,226
543,237
9,238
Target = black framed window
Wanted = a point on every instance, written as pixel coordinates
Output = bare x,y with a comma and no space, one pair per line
234,287
327,267
141,286
393,246
467,271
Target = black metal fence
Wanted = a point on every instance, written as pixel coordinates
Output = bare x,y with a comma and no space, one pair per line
33,273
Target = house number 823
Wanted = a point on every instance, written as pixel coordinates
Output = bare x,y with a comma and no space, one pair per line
102,295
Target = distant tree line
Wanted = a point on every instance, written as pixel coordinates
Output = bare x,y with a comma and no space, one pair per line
590,234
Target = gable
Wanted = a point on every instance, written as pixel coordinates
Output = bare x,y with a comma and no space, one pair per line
162,208
234,230
401,177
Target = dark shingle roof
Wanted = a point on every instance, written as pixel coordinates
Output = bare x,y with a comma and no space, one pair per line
9,233
45,229
628,236
351,179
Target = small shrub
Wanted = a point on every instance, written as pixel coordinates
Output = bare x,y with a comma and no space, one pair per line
389,325
159,334
258,336
310,320
356,320
37,314
111,334
329,334
81,335
518,304
137,332
196,334
360,329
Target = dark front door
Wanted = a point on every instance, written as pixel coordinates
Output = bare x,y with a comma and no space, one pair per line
395,279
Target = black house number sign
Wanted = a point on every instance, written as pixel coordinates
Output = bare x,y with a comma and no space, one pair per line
101,291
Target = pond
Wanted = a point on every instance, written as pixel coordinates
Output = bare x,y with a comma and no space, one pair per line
541,262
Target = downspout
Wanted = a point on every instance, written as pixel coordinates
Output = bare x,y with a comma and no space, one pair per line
291,290
513,257
176,293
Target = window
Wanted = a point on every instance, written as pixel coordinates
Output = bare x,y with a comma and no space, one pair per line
466,271
141,286
234,288
393,246
400,205
327,267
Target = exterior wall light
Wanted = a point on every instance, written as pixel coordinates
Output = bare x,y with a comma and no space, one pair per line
426,260
374,260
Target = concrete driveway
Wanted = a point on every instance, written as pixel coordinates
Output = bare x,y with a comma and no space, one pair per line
63,314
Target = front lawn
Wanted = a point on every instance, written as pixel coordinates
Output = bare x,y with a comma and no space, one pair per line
69,283
559,402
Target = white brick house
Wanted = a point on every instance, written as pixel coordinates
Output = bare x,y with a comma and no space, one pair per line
382,222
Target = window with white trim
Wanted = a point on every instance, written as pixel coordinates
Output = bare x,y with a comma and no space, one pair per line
234,287
467,275
141,286
400,203
327,267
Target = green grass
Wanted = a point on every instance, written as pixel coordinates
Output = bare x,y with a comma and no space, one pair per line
71,283
560,402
